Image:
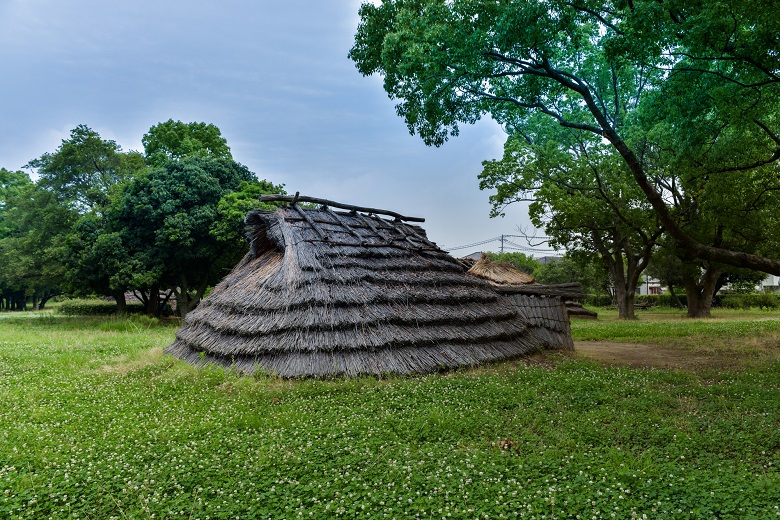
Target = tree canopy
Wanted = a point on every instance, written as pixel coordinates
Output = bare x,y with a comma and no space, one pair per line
82,171
170,223
685,93
100,221
583,196
174,140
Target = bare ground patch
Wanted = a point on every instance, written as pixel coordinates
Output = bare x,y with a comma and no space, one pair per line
644,355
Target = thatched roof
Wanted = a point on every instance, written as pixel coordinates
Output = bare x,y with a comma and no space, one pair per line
499,273
508,279
325,292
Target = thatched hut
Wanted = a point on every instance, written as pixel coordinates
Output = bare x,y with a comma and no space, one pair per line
324,292
542,307
508,277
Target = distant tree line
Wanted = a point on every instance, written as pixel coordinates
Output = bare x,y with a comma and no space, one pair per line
164,224
591,272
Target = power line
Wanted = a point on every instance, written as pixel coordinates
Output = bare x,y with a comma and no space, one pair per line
506,244
475,244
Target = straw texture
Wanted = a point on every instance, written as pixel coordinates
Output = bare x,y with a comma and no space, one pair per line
328,293
499,273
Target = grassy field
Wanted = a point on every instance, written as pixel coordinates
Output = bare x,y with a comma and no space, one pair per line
95,422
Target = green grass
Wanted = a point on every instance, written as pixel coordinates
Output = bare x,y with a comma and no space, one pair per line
95,422
729,338
666,324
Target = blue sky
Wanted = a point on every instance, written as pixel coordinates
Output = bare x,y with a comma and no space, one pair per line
273,76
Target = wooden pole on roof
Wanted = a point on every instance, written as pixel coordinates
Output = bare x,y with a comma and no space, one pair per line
303,198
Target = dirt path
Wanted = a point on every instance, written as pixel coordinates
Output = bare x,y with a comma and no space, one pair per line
640,355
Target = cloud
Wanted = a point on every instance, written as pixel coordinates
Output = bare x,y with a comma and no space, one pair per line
274,76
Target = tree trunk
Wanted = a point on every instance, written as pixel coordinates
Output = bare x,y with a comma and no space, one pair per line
699,290
185,302
624,300
36,306
20,302
677,302
121,302
151,302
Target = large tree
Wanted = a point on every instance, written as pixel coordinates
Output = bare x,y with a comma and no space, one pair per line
96,259
687,93
77,182
31,249
172,222
583,196
12,185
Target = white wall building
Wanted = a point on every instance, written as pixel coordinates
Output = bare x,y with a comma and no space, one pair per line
771,284
650,286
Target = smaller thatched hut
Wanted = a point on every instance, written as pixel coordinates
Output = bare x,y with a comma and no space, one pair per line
542,307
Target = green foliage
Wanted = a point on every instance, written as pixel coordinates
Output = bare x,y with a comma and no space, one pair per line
568,269
660,300
76,181
583,196
85,168
750,301
685,98
527,264
12,184
98,221
766,301
742,281
174,140
598,300
35,224
234,206
169,218
79,307
568,437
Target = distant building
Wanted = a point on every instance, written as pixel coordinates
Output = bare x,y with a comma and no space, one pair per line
474,256
770,284
650,286
547,259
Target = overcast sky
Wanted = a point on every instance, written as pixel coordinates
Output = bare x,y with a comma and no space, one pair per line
273,76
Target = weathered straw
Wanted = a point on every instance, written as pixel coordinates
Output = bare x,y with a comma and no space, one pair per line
325,293
500,273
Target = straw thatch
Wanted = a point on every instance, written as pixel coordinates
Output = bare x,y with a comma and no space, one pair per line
509,279
325,292
499,273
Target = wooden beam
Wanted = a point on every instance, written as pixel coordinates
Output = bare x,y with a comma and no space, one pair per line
566,290
303,198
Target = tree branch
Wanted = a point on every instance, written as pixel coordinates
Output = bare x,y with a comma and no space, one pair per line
597,15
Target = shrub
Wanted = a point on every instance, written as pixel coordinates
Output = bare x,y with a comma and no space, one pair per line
661,300
94,307
748,301
598,300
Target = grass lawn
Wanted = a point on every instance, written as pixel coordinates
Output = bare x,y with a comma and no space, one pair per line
95,422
